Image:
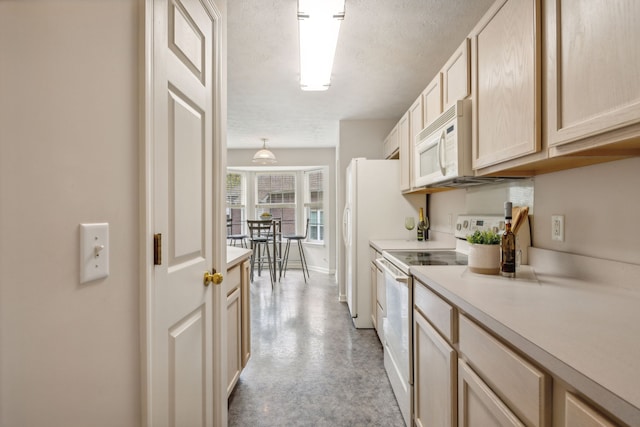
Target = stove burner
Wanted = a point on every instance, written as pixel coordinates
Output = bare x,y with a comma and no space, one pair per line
433,257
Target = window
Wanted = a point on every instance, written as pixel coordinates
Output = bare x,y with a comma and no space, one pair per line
236,202
276,194
292,195
314,195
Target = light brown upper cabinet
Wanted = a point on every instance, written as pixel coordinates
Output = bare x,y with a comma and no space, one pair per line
456,82
390,144
505,82
592,76
432,99
405,146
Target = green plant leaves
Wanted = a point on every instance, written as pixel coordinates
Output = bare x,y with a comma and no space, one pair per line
484,238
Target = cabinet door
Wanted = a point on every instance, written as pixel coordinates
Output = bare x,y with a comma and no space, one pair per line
234,344
416,124
390,144
592,69
432,100
405,146
456,82
435,376
478,405
580,414
374,293
381,309
505,72
245,298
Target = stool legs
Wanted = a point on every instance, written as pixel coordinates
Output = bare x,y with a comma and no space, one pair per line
258,252
303,259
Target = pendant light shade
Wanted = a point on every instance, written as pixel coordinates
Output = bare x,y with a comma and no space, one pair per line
264,156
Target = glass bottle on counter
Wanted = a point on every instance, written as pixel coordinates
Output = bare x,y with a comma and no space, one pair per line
422,226
508,245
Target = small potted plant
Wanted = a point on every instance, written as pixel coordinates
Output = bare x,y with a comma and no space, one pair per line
484,252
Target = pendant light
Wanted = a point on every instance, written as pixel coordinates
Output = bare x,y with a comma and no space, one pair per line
264,156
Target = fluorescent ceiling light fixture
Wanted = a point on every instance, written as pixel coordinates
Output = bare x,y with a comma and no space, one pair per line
264,156
318,26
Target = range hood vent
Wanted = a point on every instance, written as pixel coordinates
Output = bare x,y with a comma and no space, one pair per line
471,181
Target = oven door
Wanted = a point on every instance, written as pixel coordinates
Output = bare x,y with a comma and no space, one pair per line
397,326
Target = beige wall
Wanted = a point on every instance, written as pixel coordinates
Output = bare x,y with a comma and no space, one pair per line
601,205
68,155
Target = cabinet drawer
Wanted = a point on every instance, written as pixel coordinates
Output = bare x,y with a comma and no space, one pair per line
581,414
441,315
232,280
523,387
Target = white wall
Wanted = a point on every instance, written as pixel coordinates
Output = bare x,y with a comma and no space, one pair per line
601,204
69,352
321,258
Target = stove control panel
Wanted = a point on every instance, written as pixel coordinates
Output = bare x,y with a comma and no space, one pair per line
469,224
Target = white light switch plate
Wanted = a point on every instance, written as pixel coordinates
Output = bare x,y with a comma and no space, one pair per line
94,251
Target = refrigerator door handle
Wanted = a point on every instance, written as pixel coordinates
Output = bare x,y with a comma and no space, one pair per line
346,237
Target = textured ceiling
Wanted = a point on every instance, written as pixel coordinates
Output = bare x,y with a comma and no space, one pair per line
388,50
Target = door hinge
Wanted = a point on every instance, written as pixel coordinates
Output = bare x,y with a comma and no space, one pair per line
157,249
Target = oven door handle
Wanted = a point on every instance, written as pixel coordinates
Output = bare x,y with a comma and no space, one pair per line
391,270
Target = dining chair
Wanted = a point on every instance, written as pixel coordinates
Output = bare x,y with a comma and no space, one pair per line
303,260
260,237
235,238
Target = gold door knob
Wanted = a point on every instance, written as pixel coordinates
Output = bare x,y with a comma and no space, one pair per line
215,278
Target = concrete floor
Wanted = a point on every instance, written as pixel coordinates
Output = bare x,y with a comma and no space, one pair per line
309,365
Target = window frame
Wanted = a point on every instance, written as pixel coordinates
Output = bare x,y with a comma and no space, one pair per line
317,206
242,206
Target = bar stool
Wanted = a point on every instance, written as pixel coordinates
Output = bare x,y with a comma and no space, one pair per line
234,238
303,260
260,237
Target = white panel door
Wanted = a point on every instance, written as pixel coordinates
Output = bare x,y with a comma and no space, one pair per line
180,334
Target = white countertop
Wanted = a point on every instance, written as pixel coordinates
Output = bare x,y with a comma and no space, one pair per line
586,333
236,254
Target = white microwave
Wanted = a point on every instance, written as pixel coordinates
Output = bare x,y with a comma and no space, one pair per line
443,148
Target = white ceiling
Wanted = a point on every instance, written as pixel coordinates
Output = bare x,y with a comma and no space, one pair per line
388,50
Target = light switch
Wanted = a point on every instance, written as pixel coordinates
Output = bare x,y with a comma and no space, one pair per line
94,251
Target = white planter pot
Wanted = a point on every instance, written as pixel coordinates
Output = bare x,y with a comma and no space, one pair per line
484,259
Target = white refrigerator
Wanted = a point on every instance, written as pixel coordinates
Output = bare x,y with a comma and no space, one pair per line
375,208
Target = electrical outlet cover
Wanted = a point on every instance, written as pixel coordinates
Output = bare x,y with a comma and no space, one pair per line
557,228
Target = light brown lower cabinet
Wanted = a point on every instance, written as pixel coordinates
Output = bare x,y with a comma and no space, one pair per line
478,405
572,410
523,387
234,328
236,285
245,298
465,376
435,365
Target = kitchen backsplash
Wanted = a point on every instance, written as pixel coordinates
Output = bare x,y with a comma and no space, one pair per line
601,205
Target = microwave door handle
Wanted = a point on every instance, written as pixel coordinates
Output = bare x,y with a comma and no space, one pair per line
441,154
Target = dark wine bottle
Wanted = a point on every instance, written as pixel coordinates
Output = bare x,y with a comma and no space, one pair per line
421,226
508,246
